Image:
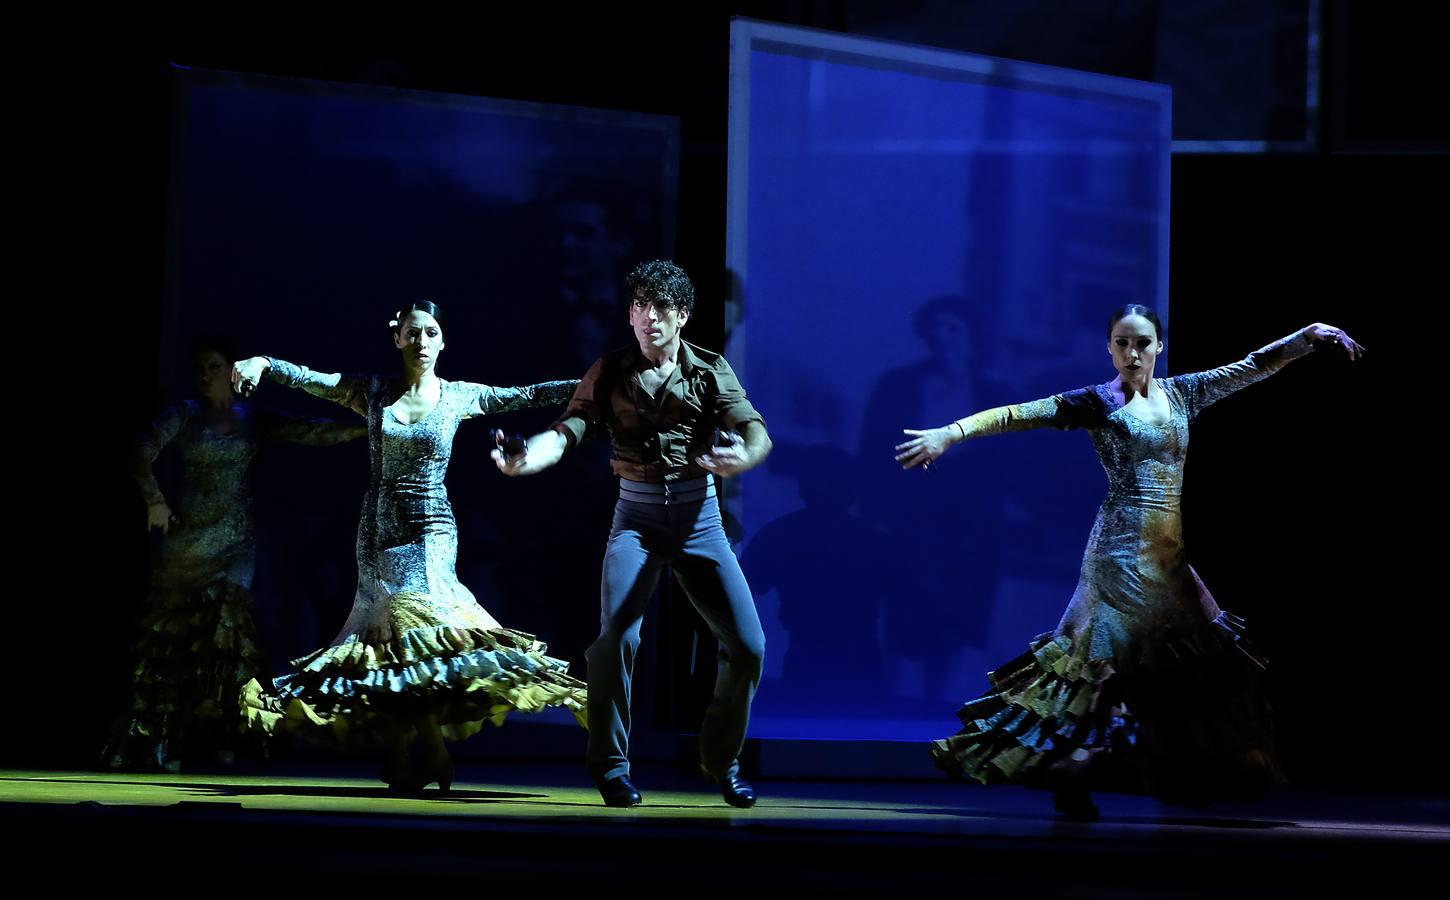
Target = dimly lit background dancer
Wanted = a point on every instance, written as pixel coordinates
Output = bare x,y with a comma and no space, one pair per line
198,642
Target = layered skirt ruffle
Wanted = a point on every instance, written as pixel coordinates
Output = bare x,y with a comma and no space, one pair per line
368,686
196,650
1191,727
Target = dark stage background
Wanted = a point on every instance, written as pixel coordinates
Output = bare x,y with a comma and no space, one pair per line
1311,501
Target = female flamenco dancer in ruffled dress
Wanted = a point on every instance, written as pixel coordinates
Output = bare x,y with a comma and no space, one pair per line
1146,683
417,657
198,644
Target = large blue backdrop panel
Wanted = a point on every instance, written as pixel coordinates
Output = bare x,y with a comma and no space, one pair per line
304,213
915,235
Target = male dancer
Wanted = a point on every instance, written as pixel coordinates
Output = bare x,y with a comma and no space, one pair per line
662,402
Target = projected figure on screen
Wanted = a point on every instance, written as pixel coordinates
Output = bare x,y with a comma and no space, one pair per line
586,229
831,573
592,254
1146,682
593,224
417,656
662,401
931,621
198,643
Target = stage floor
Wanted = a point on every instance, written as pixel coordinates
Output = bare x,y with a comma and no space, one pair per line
532,822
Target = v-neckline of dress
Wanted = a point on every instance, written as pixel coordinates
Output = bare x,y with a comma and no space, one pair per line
442,386
1107,391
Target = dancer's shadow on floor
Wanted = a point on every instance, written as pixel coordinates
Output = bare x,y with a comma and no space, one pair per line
223,789
380,792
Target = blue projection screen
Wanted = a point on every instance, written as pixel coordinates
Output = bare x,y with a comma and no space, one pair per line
304,213
346,200
915,235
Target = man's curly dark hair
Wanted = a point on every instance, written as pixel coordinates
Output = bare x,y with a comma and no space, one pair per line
663,282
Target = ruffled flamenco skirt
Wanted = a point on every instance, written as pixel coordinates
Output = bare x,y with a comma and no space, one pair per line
1190,725
196,650
460,668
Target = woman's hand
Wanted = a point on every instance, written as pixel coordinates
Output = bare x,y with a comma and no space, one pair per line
247,374
539,453
1327,337
158,515
925,447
